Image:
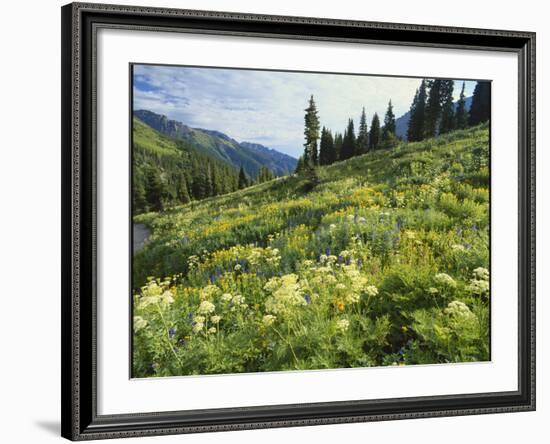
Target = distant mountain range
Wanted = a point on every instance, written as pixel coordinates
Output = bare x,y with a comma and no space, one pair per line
402,123
251,156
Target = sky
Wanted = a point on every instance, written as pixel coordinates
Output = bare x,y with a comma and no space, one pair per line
267,107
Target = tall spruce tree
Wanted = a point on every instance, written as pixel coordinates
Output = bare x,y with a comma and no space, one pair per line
299,165
243,181
480,111
374,135
389,138
415,131
338,142
215,177
326,148
139,197
183,190
461,116
362,143
156,189
311,133
332,155
348,142
433,108
448,118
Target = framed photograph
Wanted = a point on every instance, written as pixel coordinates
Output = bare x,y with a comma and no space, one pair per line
281,221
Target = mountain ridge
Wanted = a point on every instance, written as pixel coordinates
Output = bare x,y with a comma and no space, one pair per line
251,156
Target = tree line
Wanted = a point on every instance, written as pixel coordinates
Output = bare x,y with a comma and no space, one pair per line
433,112
323,147
160,183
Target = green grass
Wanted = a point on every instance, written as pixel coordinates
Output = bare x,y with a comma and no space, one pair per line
379,263
153,142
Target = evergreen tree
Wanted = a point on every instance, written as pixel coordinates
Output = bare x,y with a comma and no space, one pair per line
201,186
461,118
209,181
311,133
433,109
338,141
183,191
374,135
156,189
264,175
139,198
480,111
362,144
299,165
448,119
243,181
415,131
348,142
326,148
389,139
332,154
216,181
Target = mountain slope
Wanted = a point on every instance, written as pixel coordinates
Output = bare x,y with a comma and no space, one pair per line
383,259
402,123
281,205
167,171
220,146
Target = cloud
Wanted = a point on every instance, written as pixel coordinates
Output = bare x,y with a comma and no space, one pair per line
266,106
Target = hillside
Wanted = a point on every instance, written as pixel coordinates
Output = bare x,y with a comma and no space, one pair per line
382,179
168,171
221,147
381,260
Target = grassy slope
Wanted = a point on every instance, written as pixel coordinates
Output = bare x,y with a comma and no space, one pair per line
399,218
461,155
148,140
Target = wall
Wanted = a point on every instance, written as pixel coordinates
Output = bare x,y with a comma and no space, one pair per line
30,221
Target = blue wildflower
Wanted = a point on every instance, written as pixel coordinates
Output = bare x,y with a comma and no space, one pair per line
172,332
328,251
307,298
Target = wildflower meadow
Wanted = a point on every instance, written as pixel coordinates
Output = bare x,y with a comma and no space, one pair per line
381,259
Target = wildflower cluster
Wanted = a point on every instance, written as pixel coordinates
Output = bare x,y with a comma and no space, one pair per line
479,284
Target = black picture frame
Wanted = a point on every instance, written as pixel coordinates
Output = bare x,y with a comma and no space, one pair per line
80,420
